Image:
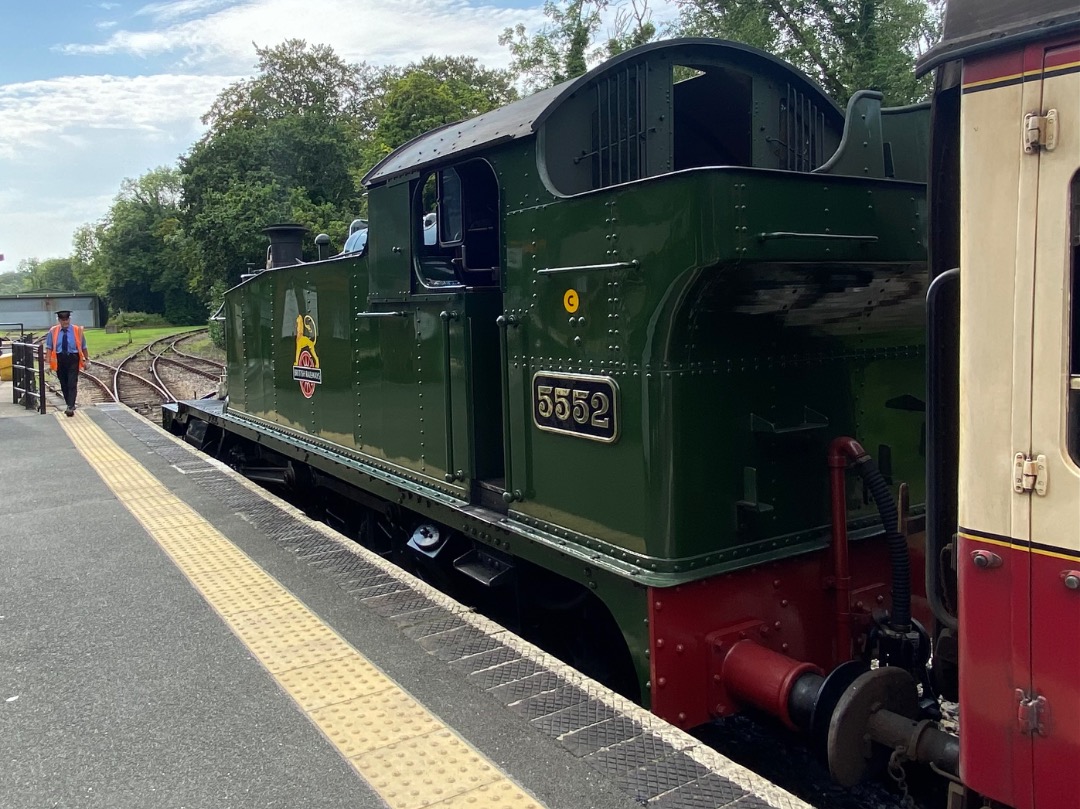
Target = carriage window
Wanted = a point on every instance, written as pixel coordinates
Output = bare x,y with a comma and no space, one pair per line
1074,319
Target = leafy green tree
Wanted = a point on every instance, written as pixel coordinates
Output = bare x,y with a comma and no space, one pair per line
12,283
432,93
141,253
85,243
846,45
33,273
55,273
282,146
295,78
560,50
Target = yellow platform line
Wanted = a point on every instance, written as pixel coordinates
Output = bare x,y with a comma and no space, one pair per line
406,753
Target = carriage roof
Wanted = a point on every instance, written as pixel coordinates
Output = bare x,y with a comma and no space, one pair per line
975,26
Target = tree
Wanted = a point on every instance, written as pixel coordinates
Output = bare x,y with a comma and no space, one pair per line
846,45
85,244
55,273
140,253
559,51
295,79
284,145
12,283
432,93
633,26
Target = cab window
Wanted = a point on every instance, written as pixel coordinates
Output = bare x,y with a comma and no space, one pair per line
456,227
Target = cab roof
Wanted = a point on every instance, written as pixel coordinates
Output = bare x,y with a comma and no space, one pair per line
524,117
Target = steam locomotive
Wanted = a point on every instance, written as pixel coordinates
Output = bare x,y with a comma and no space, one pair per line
639,364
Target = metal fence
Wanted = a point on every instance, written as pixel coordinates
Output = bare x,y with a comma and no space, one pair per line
28,375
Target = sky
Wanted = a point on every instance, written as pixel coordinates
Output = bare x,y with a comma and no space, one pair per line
92,92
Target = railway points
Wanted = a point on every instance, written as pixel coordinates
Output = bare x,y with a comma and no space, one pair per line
173,635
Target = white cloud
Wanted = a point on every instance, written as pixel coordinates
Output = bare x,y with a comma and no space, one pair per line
394,31
69,142
180,8
36,113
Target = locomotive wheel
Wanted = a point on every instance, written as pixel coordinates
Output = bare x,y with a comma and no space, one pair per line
851,752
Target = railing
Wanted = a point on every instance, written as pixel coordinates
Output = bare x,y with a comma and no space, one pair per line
28,375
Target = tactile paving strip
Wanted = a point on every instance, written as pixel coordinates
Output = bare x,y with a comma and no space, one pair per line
412,782
576,727
408,756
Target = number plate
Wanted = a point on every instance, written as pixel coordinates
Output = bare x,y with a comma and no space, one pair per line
573,404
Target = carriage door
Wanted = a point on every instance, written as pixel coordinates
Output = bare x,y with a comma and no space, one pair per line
999,194
1053,715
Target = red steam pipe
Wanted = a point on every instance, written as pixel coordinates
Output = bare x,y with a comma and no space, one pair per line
763,678
842,450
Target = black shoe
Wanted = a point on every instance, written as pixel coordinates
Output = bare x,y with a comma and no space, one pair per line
69,412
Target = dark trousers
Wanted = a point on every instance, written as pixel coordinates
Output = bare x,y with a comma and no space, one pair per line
67,371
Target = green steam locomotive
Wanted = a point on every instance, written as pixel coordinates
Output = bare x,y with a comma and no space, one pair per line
587,368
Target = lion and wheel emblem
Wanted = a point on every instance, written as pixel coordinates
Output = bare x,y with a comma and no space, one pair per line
306,369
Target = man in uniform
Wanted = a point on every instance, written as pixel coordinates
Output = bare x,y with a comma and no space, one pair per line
66,347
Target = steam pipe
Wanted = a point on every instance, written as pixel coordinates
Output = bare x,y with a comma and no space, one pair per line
840,450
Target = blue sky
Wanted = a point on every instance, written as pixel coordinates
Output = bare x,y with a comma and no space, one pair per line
94,92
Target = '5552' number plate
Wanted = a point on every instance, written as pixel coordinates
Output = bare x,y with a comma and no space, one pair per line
574,404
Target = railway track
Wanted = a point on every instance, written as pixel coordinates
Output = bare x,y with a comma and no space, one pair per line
181,374
151,376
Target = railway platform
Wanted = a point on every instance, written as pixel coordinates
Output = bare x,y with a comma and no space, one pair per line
173,636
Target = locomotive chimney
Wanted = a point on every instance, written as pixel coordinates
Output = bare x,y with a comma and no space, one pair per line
286,245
